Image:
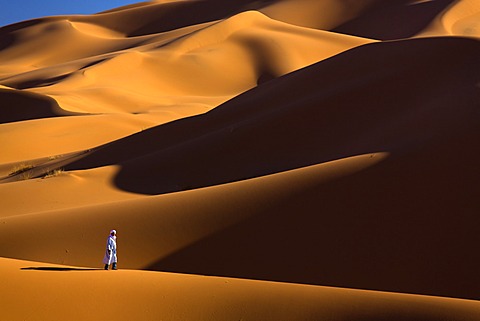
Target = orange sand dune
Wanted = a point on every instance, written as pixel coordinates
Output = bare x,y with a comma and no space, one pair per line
320,142
174,73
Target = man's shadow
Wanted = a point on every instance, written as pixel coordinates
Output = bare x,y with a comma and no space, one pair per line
55,268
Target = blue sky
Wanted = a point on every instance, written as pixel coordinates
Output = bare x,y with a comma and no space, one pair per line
12,11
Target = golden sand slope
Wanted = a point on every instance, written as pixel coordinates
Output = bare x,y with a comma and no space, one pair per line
281,140
41,291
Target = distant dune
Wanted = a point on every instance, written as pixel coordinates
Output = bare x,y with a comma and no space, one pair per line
261,160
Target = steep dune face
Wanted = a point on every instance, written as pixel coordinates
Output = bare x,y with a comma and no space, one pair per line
317,142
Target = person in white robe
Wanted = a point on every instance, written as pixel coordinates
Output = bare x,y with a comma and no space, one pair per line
111,251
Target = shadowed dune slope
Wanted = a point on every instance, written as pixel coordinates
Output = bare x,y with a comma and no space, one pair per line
166,223
364,100
386,19
19,105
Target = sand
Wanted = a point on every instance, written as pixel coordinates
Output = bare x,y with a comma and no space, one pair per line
52,292
265,160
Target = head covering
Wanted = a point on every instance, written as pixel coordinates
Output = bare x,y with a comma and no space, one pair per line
113,231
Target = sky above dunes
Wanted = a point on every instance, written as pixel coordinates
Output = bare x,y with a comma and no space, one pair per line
16,11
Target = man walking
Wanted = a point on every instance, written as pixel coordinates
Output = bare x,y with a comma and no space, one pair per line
111,252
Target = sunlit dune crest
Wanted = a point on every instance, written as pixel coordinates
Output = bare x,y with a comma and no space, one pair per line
261,160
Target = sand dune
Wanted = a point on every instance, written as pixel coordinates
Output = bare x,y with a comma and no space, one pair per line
192,70
202,298
426,138
20,105
299,143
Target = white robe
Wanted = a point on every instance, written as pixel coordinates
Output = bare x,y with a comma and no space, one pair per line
112,246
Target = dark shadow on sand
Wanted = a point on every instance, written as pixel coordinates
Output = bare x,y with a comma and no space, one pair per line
58,268
395,19
19,105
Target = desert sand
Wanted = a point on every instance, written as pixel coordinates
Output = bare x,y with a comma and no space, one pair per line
260,160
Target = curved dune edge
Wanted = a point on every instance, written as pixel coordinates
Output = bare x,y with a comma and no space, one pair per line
182,216
20,106
151,295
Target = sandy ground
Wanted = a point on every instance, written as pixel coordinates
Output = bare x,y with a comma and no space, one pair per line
52,292
260,160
